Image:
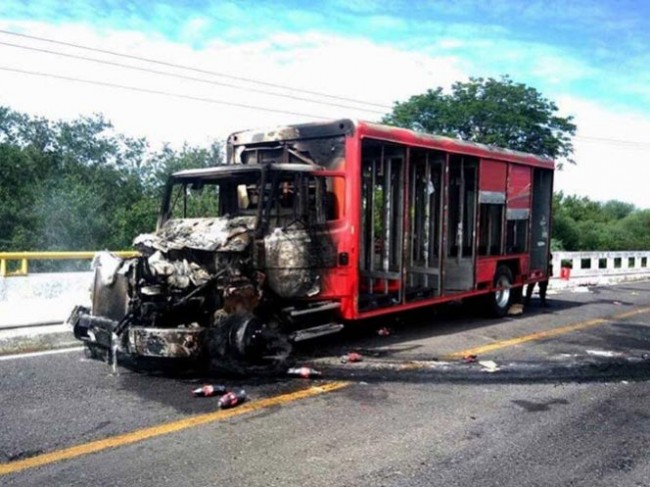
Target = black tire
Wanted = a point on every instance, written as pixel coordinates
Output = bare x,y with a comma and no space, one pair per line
242,345
502,296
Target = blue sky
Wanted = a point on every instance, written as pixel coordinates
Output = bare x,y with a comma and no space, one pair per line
592,58
595,49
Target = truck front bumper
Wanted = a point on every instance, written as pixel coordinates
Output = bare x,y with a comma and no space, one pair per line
181,342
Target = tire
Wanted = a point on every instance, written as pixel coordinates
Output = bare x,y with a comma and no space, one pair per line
242,346
502,297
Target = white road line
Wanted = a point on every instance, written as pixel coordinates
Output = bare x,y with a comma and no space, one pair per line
38,354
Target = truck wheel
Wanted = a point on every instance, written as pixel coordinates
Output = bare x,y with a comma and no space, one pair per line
501,297
243,345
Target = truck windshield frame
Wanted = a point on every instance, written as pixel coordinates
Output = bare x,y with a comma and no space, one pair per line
236,191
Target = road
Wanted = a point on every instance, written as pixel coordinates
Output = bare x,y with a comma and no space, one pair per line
568,405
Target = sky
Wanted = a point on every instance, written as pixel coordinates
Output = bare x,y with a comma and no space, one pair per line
266,63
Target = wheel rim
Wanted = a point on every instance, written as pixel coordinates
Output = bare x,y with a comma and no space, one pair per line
502,295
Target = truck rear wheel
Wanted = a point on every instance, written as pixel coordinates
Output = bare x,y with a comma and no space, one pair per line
501,298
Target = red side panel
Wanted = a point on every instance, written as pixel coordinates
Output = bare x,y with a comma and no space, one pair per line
493,176
519,187
486,268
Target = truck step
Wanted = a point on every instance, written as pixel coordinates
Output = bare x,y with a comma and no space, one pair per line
316,331
317,308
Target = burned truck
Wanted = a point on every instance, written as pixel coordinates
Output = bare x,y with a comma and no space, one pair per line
311,226
234,271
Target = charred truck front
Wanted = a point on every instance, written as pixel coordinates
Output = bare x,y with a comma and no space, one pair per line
239,262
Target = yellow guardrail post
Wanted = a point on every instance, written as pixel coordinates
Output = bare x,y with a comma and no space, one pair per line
25,257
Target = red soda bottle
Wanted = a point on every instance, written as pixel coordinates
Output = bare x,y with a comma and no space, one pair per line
209,390
232,399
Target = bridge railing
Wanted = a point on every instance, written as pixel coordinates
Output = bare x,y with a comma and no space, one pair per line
49,296
42,297
601,267
25,257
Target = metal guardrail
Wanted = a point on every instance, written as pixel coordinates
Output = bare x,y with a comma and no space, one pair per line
25,257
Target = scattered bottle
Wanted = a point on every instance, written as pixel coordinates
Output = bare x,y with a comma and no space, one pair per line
354,357
209,390
351,357
304,372
232,399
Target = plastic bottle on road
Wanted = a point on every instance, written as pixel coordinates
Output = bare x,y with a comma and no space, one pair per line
232,399
209,390
304,372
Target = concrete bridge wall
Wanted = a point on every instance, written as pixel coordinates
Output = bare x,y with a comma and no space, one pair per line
49,297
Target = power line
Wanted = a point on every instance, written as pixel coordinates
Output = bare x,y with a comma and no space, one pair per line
186,77
195,69
157,92
620,142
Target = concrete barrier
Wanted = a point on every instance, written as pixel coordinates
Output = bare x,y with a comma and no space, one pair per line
42,298
49,297
599,268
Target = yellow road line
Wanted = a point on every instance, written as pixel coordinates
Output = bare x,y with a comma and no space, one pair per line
192,421
164,429
540,335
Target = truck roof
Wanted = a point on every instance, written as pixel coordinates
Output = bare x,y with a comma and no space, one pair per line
385,132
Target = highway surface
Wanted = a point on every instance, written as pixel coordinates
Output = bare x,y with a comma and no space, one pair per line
568,404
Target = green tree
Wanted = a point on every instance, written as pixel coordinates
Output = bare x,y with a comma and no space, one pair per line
497,112
582,224
78,184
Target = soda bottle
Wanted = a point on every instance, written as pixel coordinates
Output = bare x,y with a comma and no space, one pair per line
232,399
209,390
304,372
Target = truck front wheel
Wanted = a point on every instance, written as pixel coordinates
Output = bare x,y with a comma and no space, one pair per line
244,345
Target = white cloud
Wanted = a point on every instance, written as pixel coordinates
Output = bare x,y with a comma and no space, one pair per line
355,68
611,152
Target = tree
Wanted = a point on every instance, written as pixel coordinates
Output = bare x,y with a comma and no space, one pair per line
77,185
497,112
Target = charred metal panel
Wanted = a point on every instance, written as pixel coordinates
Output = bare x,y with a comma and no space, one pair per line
295,260
317,153
110,286
165,342
293,132
322,144
211,234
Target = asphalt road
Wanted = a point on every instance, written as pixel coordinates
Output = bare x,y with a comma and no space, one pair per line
568,405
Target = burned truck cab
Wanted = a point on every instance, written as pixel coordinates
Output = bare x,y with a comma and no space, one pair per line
243,260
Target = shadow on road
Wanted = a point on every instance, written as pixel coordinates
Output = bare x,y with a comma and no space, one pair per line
410,326
577,370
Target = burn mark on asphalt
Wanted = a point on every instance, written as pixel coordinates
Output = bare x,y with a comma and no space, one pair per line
537,407
21,455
